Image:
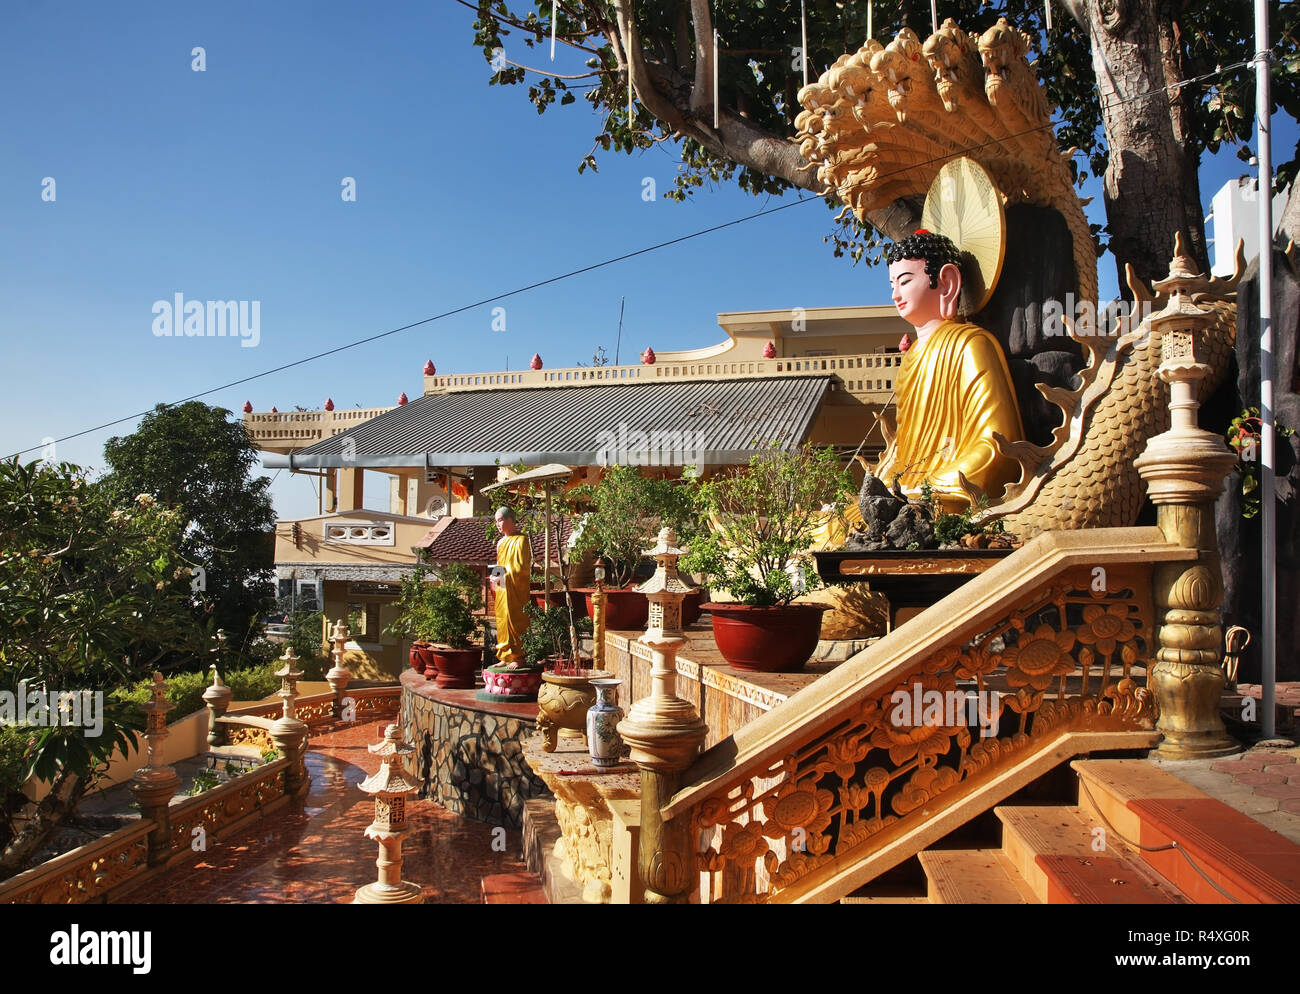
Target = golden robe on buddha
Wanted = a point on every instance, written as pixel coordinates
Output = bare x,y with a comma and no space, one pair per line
515,556
953,392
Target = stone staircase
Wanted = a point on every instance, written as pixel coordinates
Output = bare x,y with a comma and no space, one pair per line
1139,835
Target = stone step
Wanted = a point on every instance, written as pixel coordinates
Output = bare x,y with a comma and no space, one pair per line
1156,809
1066,857
1101,880
541,835
512,888
973,876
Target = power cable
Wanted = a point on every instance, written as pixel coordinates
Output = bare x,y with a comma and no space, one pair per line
591,268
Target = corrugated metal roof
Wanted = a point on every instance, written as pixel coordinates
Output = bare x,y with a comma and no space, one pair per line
659,423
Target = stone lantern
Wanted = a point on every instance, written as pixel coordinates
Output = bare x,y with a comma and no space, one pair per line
666,589
389,786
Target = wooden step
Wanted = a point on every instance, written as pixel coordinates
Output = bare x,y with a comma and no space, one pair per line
1154,808
1066,857
973,876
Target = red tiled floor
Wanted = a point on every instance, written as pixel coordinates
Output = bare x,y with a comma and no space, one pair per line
513,888
1282,791
1276,760
1237,766
313,851
1256,779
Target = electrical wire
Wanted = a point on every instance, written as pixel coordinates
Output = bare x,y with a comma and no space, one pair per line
591,268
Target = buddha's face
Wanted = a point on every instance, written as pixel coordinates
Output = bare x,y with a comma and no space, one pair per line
506,524
917,302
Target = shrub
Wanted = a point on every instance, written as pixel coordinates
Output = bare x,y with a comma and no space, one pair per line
185,690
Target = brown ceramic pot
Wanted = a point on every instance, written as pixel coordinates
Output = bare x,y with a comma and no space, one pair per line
562,704
456,667
422,660
767,639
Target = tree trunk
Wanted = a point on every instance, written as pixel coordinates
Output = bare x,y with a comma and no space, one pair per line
1151,189
53,810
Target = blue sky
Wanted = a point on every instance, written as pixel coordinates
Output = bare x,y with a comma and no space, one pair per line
225,184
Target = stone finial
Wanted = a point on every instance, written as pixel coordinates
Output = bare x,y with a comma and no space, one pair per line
217,698
536,361
401,399
289,675
339,675
429,368
769,350
153,785
248,407
329,403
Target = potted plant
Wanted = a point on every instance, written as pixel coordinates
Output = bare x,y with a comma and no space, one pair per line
440,618
566,692
412,621
620,514
762,520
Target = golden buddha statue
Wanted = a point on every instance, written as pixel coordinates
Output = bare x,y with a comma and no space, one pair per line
953,390
510,581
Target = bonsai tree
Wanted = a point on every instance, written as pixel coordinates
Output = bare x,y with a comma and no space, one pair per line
762,518
549,634
622,511
441,612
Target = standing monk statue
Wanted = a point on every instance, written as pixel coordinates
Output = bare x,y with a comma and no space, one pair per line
953,390
510,582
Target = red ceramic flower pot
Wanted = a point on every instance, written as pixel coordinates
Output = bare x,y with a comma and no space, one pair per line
626,610
422,660
456,667
766,639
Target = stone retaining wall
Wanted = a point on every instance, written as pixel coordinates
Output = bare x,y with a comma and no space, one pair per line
469,754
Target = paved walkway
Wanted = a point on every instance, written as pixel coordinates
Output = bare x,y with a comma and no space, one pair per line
313,851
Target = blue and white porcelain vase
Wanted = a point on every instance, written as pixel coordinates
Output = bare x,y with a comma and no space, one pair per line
602,724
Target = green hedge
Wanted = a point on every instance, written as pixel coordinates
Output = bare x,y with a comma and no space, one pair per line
185,690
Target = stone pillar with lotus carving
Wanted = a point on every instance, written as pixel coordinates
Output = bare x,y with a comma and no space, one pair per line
339,675
217,699
664,733
289,732
1184,469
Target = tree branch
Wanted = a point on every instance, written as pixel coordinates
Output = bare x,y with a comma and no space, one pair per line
702,96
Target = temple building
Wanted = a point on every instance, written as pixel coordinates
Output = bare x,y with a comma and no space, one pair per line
790,376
